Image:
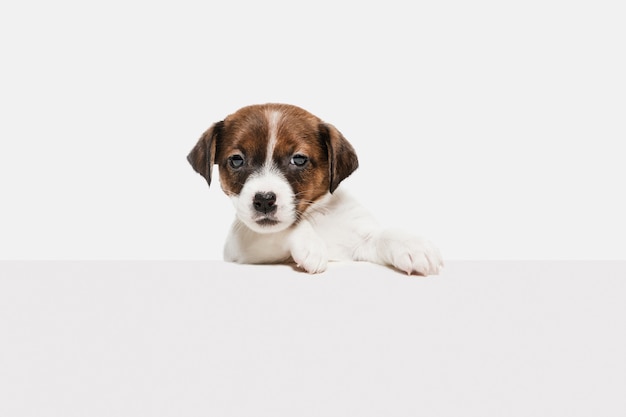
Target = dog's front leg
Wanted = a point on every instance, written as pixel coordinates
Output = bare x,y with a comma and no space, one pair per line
407,253
307,248
401,250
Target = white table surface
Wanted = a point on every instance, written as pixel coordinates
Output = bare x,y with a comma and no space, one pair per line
208,338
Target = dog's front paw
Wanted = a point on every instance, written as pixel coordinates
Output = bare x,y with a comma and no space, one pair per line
308,251
312,256
410,254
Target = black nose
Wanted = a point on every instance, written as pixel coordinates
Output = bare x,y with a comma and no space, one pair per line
264,202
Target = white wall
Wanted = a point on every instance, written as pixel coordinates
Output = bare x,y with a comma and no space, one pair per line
494,128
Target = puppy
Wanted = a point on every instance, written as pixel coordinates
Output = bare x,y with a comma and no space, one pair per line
281,166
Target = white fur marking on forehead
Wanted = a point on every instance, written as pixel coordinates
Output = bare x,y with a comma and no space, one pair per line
273,118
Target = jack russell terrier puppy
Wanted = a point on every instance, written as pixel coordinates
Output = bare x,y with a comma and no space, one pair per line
281,166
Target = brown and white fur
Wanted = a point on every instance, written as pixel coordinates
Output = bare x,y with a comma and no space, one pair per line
281,166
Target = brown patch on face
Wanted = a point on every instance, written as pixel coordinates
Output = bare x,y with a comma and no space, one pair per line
298,136
245,134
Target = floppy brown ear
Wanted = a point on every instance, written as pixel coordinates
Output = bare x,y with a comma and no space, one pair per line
202,156
341,155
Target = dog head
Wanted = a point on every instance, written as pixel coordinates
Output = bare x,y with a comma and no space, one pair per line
275,161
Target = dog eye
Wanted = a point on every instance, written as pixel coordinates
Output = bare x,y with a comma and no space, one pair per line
298,160
235,161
